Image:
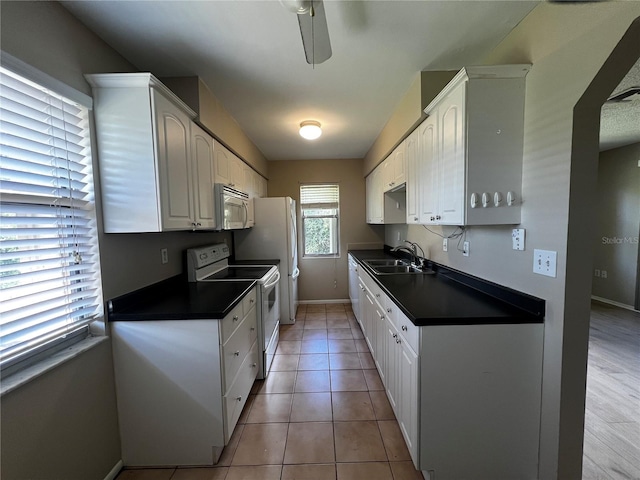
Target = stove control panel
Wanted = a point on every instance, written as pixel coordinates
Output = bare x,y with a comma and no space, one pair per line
202,256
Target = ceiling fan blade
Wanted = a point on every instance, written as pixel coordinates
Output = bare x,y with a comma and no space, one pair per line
315,34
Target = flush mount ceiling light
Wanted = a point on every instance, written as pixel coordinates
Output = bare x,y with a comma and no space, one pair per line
310,129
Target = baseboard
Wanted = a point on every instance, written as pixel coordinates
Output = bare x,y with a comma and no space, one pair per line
114,471
614,303
315,302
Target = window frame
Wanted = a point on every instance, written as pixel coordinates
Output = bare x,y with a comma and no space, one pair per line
49,343
318,206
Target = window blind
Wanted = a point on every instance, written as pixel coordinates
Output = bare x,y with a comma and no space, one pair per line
319,196
49,264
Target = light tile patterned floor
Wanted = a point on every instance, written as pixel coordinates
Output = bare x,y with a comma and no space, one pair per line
322,413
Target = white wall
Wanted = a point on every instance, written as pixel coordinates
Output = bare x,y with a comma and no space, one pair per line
567,45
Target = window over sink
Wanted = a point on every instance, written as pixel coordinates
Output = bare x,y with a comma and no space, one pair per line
320,213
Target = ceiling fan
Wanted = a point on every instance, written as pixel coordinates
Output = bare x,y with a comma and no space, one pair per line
313,29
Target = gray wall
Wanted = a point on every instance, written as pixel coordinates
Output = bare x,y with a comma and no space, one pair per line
567,46
60,439
618,224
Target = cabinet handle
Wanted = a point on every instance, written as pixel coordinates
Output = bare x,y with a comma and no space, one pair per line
253,365
398,340
237,353
432,218
235,318
381,317
198,224
251,300
377,295
438,217
388,310
404,328
415,219
395,335
239,398
254,328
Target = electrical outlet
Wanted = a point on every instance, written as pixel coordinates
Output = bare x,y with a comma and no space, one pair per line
517,236
604,274
445,244
465,249
164,255
596,273
544,262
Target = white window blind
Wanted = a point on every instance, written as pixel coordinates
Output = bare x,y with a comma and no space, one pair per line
319,206
49,264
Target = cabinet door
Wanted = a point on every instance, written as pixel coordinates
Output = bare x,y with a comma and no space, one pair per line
391,382
387,173
428,167
222,164
203,168
452,157
378,195
237,178
368,311
380,321
174,164
399,176
374,196
412,176
407,381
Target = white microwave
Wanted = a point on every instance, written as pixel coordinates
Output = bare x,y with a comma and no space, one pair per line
231,207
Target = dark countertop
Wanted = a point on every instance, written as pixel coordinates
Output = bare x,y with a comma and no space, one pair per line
178,299
451,297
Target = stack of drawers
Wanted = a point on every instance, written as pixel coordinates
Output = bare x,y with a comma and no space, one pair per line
239,351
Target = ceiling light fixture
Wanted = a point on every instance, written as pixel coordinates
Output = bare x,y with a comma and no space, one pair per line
310,129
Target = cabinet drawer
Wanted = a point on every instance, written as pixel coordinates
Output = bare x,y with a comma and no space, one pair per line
372,286
407,329
237,347
230,323
236,398
249,301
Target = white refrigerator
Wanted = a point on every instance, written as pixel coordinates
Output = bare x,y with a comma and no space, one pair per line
274,236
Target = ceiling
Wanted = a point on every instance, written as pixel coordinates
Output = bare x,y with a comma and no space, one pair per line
250,55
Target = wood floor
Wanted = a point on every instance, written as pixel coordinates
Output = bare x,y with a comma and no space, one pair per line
612,417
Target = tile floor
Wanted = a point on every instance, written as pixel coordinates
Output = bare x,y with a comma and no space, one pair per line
322,413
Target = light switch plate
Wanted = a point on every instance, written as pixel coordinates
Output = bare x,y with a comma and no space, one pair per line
544,262
465,249
517,236
445,244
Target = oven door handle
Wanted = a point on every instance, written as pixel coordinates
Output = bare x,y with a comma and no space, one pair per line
271,284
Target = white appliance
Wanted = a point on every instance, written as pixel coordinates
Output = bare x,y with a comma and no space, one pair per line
274,235
231,208
210,264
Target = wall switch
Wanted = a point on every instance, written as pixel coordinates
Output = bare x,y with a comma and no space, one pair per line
465,249
445,244
164,255
544,262
596,273
517,236
604,274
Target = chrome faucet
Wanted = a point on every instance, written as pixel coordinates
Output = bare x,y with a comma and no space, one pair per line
417,260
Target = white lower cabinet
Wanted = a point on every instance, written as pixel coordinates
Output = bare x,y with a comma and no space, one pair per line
181,385
395,360
466,397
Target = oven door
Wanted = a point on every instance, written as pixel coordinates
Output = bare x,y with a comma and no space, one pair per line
270,318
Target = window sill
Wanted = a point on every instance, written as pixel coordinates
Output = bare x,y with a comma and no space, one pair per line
18,379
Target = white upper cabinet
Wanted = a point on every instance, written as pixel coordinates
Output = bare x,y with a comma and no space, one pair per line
471,148
375,195
412,154
229,169
150,156
203,170
394,169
